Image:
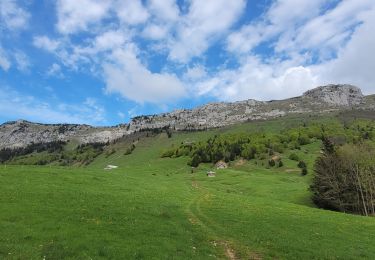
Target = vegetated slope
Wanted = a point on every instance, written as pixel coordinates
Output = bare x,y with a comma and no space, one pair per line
152,207
317,101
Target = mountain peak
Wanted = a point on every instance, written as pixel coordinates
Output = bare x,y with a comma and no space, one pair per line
336,94
319,100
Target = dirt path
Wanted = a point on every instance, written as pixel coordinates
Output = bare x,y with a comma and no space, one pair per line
197,217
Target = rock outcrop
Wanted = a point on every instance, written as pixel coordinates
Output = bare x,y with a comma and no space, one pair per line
22,133
337,95
319,100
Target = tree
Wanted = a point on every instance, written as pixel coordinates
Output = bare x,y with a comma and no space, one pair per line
345,179
301,164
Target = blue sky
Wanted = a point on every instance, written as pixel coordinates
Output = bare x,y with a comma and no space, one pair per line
102,62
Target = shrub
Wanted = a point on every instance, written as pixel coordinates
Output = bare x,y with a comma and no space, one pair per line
195,161
168,153
304,171
301,164
169,133
131,149
271,163
303,140
109,152
293,157
344,179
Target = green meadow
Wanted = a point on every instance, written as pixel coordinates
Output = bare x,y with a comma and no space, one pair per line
157,208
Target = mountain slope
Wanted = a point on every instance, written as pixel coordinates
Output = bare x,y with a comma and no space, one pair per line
319,100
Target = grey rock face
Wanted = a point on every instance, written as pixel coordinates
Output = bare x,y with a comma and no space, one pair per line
337,95
322,99
22,133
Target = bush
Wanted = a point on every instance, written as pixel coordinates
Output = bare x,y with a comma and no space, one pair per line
303,140
130,150
304,171
293,157
168,153
195,161
169,133
301,164
271,163
109,152
344,179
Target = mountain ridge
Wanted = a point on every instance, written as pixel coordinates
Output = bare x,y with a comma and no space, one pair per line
322,99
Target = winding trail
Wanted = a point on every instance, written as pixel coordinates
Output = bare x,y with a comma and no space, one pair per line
197,217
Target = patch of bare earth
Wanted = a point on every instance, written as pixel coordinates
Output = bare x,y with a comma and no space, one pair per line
193,220
231,254
240,162
195,184
292,170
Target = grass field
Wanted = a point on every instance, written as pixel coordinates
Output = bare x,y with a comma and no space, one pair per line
155,208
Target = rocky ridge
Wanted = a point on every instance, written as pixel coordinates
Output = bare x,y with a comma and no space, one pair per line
319,100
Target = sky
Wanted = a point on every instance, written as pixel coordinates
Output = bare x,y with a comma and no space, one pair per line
102,62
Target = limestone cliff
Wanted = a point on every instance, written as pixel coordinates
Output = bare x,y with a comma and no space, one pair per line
319,100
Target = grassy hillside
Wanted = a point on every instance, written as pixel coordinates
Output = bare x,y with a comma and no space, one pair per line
155,208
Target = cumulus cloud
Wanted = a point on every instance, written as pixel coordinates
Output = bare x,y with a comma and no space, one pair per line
74,16
109,40
55,70
155,31
196,72
281,20
44,42
339,39
201,26
132,12
257,80
22,61
12,15
166,10
355,62
328,31
308,43
129,77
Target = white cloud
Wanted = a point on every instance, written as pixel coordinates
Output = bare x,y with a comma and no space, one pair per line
283,17
19,58
44,42
257,80
297,33
55,70
155,31
129,77
12,15
355,61
109,40
329,31
166,10
340,37
74,16
4,61
132,12
205,21
196,72
22,61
